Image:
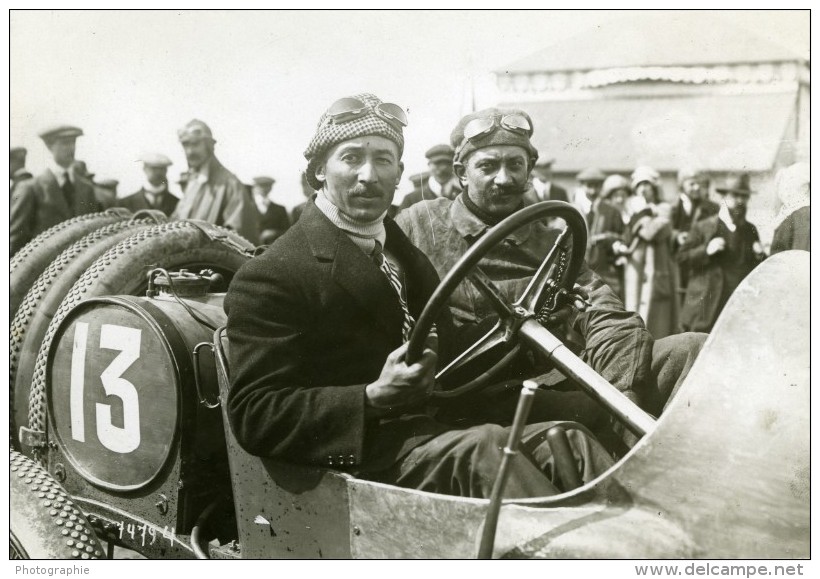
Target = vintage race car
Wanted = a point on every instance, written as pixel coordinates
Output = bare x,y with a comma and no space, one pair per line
120,436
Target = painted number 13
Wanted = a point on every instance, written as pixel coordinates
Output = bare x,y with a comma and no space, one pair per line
127,341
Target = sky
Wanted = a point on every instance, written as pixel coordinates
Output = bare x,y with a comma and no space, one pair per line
261,80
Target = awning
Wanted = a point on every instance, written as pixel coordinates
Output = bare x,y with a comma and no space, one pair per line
713,132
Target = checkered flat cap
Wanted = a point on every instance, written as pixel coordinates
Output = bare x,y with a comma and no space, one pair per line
328,134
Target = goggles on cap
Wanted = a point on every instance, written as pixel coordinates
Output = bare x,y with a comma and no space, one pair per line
348,109
480,127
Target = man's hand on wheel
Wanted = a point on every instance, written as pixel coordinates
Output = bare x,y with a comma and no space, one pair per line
400,384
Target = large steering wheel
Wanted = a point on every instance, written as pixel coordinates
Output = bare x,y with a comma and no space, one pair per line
518,322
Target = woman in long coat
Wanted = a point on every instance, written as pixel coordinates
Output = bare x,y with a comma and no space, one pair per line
650,273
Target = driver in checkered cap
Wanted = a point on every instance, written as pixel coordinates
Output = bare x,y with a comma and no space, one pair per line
318,327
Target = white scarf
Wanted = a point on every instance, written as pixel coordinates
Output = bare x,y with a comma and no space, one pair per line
726,217
262,203
363,234
155,190
686,203
61,173
154,194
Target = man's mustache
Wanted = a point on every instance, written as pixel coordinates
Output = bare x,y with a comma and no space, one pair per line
371,190
506,189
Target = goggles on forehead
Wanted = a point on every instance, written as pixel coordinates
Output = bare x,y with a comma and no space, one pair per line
480,127
349,108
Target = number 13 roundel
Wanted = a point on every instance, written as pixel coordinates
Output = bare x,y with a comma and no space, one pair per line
113,397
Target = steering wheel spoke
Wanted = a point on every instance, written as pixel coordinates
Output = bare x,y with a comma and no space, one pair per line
496,339
547,276
485,285
497,336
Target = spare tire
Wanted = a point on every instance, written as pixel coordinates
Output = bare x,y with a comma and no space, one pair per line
41,302
44,523
34,257
123,269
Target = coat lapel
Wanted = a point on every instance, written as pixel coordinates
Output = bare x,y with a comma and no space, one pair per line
141,201
595,226
168,203
355,272
695,216
215,193
214,190
84,199
55,195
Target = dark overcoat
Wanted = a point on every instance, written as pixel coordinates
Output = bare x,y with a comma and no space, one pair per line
682,222
416,196
310,323
273,223
38,204
794,232
704,294
137,201
604,228
556,193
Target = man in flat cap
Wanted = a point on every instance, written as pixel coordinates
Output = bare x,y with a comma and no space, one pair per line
693,205
541,186
494,157
273,218
441,182
53,196
590,182
154,192
318,326
212,193
719,252
17,167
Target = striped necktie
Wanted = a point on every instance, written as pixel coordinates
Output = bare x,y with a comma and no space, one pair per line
393,277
